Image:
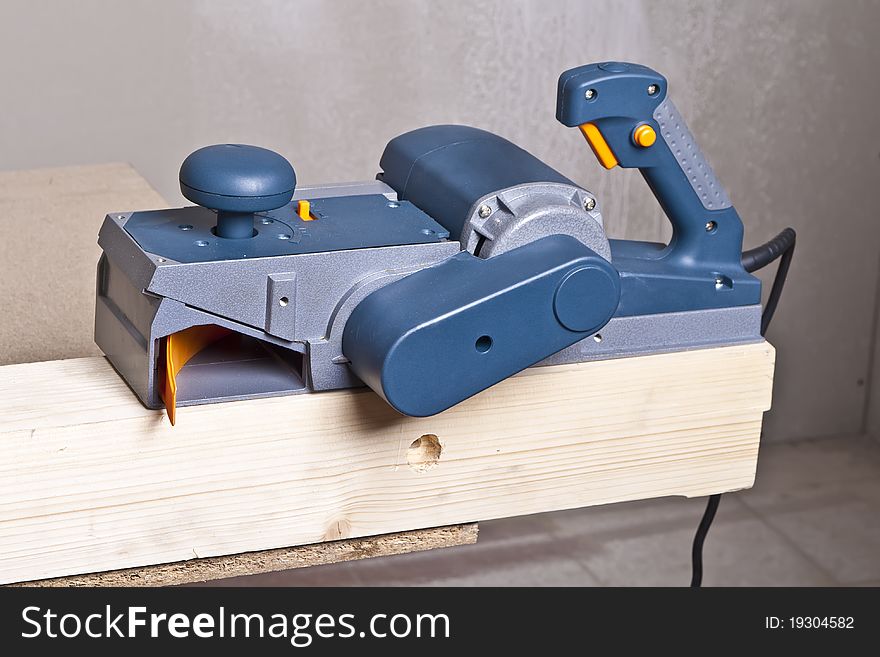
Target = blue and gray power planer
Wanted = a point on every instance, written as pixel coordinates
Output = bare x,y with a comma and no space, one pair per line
466,261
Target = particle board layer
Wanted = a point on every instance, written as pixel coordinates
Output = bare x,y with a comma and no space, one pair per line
90,480
50,220
267,561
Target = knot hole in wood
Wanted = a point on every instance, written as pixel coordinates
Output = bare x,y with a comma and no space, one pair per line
424,453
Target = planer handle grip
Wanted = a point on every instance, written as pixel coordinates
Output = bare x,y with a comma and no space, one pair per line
629,120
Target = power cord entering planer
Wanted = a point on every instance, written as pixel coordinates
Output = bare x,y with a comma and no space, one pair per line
781,246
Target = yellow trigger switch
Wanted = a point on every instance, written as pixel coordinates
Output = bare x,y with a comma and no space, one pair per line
644,136
600,147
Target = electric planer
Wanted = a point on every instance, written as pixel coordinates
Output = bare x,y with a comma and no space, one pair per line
466,261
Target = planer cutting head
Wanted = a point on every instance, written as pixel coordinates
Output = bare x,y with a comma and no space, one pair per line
466,261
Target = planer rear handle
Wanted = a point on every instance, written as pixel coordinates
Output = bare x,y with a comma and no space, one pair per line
628,119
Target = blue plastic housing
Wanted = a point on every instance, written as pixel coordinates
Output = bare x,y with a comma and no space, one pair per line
443,334
445,169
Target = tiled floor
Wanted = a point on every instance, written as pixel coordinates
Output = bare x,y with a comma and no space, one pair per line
813,518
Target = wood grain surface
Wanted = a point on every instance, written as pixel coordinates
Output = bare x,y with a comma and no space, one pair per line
93,481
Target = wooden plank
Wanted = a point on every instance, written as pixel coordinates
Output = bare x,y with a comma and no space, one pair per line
267,561
50,220
91,480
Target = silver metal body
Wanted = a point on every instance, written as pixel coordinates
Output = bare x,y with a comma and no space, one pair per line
513,217
141,298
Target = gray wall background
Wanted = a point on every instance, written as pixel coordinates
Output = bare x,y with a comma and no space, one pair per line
783,98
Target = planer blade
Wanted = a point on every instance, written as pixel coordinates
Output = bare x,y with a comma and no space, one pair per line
179,348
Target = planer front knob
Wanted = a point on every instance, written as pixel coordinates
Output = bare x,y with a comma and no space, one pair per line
237,181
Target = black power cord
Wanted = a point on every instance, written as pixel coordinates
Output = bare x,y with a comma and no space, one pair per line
781,246
699,539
